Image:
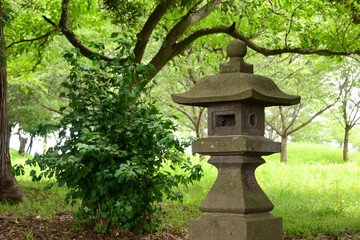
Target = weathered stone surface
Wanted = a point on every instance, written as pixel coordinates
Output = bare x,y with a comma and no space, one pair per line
236,119
236,208
236,189
212,226
236,50
236,64
236,145
232,87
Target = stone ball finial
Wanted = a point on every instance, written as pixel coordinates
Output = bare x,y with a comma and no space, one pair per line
236,48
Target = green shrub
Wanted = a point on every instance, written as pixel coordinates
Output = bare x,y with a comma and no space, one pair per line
114,146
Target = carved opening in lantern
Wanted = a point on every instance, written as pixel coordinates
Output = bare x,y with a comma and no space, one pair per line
225,120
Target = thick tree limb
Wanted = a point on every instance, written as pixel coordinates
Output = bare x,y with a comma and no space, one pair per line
144,35
167,51
49,21
179,47
72,37
188,20
230,30
171,47
267,52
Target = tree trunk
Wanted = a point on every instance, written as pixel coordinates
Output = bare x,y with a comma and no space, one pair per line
284,140
23,142
200,124
9,189
30,145
346,144
45,144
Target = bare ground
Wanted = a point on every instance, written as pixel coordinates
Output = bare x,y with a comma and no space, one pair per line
64,227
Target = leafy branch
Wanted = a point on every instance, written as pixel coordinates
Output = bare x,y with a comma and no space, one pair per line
46,36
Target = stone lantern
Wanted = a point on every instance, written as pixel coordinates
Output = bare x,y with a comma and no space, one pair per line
236,208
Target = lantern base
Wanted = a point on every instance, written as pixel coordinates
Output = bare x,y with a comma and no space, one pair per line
225,226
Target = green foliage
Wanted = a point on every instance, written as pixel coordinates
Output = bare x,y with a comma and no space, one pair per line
114,146
323,131
125,11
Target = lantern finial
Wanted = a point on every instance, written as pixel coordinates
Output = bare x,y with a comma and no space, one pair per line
236,50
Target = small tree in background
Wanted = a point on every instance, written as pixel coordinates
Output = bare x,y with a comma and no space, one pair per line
114,147
348,108
304,76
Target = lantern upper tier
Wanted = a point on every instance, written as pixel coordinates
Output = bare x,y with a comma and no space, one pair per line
235,83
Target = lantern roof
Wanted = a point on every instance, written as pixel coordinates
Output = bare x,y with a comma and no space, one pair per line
235,83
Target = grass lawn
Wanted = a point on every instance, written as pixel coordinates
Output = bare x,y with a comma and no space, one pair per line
316,194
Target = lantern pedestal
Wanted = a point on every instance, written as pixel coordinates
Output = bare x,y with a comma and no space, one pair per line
236,208
236,189
227,226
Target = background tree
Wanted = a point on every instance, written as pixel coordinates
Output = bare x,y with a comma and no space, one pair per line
9,188
308,77
348,108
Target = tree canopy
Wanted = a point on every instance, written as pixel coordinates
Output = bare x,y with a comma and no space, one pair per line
328,28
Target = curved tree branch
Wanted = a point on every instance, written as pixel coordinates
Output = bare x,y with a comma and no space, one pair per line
304,51
267,52
290,25
310,120
180,46
230,30
188,20
186,113
43,105
273,127
72,37
171,47
167,51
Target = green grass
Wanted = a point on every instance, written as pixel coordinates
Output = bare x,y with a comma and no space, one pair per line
40,203
315,194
